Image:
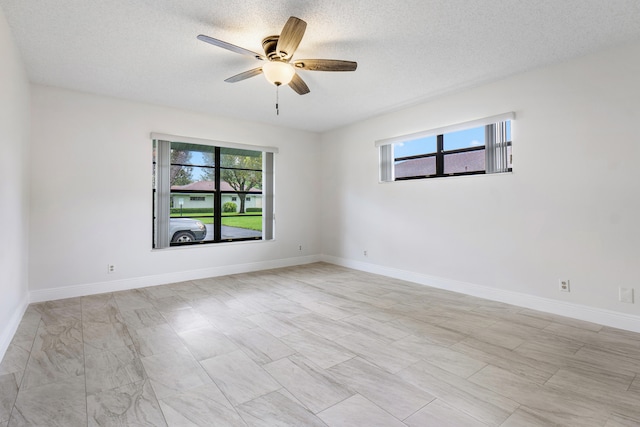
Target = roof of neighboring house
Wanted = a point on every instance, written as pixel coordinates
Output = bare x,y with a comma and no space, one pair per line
208,186
453,163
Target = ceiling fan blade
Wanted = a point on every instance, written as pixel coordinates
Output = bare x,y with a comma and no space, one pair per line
325,65
290,37
245,75
299,85
231,47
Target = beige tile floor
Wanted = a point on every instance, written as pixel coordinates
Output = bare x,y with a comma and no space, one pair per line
314,345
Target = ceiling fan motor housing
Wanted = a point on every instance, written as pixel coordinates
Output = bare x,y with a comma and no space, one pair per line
269,44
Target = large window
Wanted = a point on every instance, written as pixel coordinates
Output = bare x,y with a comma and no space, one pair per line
210,193
478,147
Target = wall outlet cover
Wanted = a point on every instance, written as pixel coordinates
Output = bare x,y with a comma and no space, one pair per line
626,295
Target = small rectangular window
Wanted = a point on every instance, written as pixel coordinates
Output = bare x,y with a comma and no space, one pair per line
478,147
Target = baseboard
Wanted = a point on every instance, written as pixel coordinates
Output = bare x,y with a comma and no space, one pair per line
9,330
600,316
163,279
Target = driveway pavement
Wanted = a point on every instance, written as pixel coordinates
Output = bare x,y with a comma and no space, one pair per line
232,232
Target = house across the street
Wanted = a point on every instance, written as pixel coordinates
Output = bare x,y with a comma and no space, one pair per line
199,194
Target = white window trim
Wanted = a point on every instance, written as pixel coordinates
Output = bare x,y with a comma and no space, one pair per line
164,141
447,129
202,141
496,152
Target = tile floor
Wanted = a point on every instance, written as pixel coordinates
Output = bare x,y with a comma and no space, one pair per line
314,345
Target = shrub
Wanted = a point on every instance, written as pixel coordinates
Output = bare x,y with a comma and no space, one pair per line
247,210
229,207
203,211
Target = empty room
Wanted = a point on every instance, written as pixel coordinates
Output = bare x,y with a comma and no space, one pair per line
325,213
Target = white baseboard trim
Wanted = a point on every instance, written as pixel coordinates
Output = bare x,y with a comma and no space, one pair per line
9,330
600,316
163,279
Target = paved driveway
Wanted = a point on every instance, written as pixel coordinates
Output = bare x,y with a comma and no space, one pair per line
232,232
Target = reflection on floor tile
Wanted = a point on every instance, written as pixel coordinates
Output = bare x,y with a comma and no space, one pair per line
321,351
207,342
155,340
173,372
261,346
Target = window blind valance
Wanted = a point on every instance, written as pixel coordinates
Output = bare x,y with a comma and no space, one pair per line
447,129
201,141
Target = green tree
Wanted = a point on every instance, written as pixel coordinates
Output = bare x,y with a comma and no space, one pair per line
238,170
181,175
238,177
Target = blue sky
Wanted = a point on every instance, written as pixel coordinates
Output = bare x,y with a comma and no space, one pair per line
461,139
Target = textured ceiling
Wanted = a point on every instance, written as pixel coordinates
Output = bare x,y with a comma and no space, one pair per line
407,51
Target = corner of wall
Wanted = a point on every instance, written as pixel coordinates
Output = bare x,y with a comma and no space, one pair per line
14,185
10,328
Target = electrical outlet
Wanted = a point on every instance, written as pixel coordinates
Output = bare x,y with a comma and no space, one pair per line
626,295
111,268
365,253
564,285
300,247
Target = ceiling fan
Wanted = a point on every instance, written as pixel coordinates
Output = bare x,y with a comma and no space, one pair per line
279,68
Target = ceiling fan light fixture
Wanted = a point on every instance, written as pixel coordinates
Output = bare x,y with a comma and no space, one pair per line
278,73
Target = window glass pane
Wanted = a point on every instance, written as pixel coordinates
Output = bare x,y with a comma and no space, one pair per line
415,167
191,217
464,139
242,203
196,197
231,158
415,147
508,130
232,180
192,178
192,154
242,217
467,161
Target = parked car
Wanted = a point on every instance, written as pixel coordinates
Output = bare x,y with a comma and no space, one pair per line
184,230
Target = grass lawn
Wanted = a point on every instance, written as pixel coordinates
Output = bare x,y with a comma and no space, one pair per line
251,222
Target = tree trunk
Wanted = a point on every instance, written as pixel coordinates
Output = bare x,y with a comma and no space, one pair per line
242,197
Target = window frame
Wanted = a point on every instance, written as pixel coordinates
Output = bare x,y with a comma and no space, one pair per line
162,192
495,134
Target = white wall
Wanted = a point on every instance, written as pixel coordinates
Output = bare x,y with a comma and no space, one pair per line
14,212
91,195
571,208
